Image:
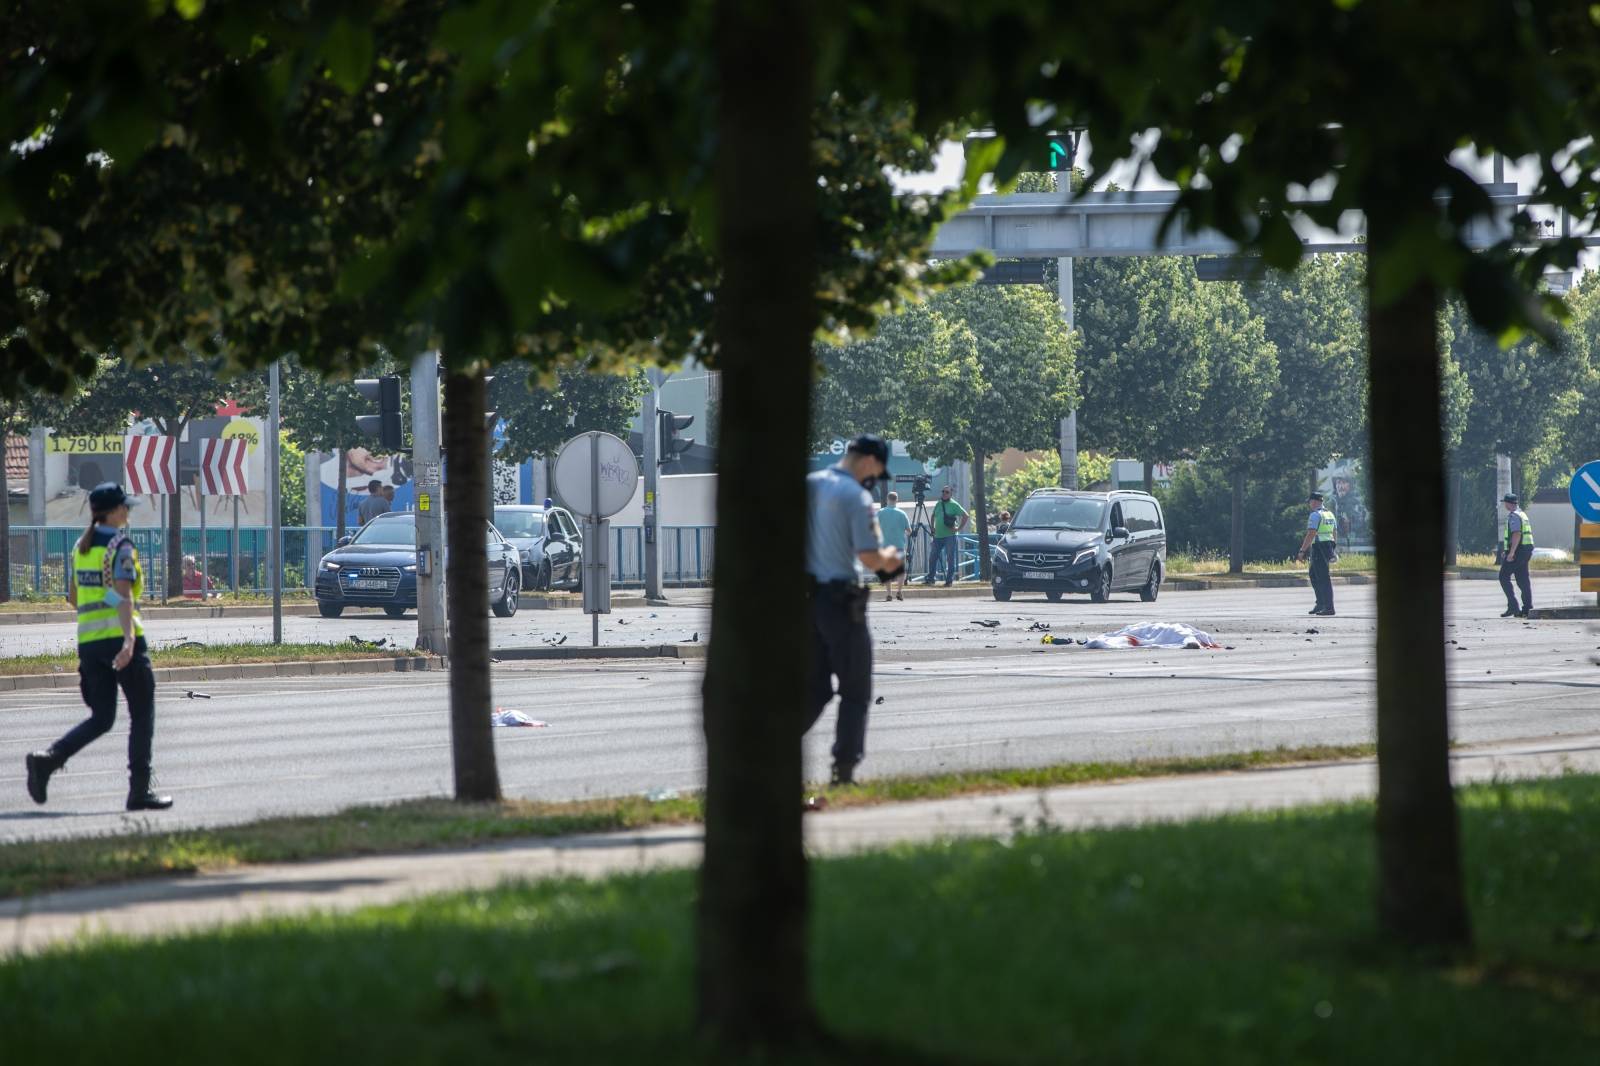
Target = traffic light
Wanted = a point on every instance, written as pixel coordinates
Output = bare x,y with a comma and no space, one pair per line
672,445
386,424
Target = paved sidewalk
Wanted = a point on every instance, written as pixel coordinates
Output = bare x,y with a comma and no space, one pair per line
172,905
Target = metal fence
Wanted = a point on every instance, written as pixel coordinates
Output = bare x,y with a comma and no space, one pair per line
39,556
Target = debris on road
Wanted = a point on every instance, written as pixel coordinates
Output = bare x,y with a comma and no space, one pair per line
661,795
193,695
1313,632
694,639
987,623
815,803
878,702
623,622
1039,627
555,641
362,642
505,716
187,644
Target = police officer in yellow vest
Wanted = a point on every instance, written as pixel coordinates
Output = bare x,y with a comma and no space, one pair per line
1319,542
1516,552
105,584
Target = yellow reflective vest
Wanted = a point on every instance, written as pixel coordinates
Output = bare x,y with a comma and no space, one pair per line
1515,521
97,594
1325,525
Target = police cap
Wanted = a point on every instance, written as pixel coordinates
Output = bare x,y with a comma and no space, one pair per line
1509,497
107,496
874,446
1315,496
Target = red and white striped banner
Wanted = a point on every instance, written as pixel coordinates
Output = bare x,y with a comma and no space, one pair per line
222,466
150,465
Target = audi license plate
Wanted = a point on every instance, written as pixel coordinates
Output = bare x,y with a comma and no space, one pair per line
368,583
1038,575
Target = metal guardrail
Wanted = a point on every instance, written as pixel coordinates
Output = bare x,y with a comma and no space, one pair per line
39,556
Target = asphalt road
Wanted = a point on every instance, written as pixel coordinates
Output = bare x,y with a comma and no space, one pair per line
955,695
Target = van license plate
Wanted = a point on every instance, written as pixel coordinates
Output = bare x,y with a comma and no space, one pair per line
1038,575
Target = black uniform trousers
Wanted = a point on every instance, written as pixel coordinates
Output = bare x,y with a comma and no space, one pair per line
841,646
1516,566
99,683
1321,577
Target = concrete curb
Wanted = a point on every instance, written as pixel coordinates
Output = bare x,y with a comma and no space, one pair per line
531,601
1588,611
35,618
245,671
624,651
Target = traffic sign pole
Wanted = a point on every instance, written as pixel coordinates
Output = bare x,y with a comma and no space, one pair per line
1584,492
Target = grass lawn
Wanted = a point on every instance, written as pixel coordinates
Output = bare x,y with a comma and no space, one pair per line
1244,940
26,602
1179,565
212,655
33,866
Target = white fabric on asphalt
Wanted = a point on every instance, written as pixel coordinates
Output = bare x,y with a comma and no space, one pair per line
1155,635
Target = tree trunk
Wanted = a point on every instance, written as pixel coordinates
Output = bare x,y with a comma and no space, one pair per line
342,494
5,519
752,981
1452,535
1236,530
1420,899
1149,476
467,587
174,429
980,504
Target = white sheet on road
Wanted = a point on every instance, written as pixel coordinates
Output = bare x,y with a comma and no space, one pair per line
1155,635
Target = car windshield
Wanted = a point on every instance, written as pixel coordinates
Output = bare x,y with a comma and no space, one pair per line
1060,512
389,532
520,523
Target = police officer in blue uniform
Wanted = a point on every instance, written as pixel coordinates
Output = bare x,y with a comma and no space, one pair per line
1516,552
104,584
1319,541
843,544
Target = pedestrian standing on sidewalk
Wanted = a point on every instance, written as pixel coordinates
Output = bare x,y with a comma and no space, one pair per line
843,544
1319,542
949,518
1516,552
105,584
895,526
374,505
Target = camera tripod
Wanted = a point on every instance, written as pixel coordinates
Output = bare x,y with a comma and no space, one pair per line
920,524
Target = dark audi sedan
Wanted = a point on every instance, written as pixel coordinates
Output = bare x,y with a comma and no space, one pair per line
378,568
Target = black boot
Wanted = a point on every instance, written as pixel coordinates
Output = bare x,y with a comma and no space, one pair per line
844,773
1510,612
41,764
141,798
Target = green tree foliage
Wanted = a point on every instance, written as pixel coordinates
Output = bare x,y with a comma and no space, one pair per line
540,419
1171,367
1044,472
1012,386
1314,318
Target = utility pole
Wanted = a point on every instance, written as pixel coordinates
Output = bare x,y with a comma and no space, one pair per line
1069,424
650,431
432,631
1502,485
274,505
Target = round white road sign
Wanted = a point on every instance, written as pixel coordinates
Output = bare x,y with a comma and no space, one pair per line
596,474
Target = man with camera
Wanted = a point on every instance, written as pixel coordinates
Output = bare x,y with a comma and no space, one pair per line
843,544
949,519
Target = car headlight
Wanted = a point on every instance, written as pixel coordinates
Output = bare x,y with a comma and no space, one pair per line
410,568
329,564
525,555
1086,553
1001,554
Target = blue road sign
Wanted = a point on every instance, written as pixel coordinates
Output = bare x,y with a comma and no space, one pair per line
1585,491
